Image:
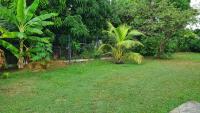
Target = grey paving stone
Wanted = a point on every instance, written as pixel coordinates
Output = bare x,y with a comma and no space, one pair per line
189,107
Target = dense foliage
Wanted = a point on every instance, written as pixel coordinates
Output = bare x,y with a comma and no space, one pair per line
79,25
160,20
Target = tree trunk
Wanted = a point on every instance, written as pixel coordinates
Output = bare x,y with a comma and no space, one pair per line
118,56
2,59
161,49
21,55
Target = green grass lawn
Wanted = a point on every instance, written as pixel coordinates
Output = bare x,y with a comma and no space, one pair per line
156,86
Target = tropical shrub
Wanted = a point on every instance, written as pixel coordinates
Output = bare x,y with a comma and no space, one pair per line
150,48
122,40
40,52
26,25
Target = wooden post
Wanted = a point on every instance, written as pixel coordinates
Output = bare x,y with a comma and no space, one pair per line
69,49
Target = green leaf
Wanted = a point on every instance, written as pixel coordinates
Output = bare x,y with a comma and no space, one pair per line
39,39
31,9
2,30
13,35
47,23
135,57
134,33
8,15
130,43
42,17
21,5
31,30
9,47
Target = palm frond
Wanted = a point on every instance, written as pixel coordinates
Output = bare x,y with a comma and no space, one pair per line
122,31
135,57
130,43
133,33
105,46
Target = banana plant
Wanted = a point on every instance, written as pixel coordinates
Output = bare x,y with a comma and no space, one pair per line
122,38
28,25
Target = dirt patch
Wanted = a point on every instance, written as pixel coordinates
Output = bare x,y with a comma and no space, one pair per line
23,87
180,63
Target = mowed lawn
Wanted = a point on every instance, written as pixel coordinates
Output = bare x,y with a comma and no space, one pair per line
156,86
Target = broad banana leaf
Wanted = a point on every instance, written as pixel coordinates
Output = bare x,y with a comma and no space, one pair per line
39,39
9,47
42,18
14,35
30,11
21,6
31,30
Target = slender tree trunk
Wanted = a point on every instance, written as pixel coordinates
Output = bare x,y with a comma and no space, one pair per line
21,56
161,49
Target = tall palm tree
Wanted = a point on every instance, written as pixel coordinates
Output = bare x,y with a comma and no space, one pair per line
27,24
123,40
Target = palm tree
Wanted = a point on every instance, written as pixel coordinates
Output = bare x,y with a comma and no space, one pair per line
28,26
123,40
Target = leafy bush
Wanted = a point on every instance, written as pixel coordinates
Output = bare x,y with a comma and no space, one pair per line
195,45
150,46
188,41
170,48
90,52
40,52
151,49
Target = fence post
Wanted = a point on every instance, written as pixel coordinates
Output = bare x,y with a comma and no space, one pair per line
69,49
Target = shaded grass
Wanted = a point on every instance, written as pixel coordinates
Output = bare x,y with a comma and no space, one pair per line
156,86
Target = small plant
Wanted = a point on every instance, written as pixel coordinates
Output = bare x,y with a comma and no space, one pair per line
40,53
122,38
5,75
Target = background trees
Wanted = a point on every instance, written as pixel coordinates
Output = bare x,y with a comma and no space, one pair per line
160,20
